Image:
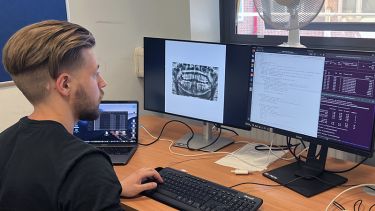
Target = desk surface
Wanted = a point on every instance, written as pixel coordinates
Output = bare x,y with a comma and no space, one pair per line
274,198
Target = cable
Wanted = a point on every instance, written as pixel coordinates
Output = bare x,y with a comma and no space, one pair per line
295,150
359,206
161,132
302,142
188,141
255,183
208,153
346,170
350,185
265,145
261,147
183,161
334,199
179,154
299,156
372,206
196,155
215,153
252,183
338,205
370,188
224,128
214,141
228,153
201,154
288,139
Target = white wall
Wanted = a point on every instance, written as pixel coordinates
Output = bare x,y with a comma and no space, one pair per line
205,20
13,106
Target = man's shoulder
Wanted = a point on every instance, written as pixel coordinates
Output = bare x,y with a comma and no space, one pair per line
75,149
50,139
10,130
52,145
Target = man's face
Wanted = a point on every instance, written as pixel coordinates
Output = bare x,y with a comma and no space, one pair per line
89,92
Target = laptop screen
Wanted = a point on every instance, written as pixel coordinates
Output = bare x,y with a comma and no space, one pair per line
117,123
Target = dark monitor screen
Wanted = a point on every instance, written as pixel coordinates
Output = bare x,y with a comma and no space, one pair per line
199,80
325,97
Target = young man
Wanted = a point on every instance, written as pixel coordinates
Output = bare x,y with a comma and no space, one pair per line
42,165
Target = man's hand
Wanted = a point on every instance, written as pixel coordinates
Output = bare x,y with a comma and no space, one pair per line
132,185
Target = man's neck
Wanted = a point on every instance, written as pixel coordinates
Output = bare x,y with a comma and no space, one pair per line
58,114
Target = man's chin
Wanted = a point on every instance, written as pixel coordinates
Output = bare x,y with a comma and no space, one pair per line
89,116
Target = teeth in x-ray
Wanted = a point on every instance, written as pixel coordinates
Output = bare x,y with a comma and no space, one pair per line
193,75
193,88
195,80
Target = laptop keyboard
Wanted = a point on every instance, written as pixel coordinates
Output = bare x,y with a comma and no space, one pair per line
115,150
186,192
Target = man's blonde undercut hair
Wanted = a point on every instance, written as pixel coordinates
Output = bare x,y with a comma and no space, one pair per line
39,52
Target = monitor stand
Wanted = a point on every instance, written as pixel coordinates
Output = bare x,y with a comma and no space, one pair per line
201,140
307,178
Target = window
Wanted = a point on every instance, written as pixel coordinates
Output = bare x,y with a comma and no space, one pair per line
344,24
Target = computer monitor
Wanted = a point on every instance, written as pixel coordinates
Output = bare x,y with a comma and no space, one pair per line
198,80
326,97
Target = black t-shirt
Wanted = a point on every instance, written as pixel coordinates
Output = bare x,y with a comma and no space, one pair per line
44,167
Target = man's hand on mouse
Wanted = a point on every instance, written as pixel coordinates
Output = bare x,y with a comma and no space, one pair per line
132,185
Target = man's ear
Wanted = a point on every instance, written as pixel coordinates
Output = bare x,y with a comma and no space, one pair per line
63,84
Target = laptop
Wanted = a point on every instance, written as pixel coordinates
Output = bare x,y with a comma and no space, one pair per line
115,131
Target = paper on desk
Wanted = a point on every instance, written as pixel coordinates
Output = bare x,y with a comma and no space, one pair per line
250,159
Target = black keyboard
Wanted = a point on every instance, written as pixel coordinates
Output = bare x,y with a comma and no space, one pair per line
186,192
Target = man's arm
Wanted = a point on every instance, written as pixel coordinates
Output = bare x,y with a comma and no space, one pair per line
90,185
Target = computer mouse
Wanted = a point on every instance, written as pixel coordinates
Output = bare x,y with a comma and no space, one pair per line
152,179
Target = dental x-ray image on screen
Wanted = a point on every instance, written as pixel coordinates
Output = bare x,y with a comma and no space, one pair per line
197,84
195,80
